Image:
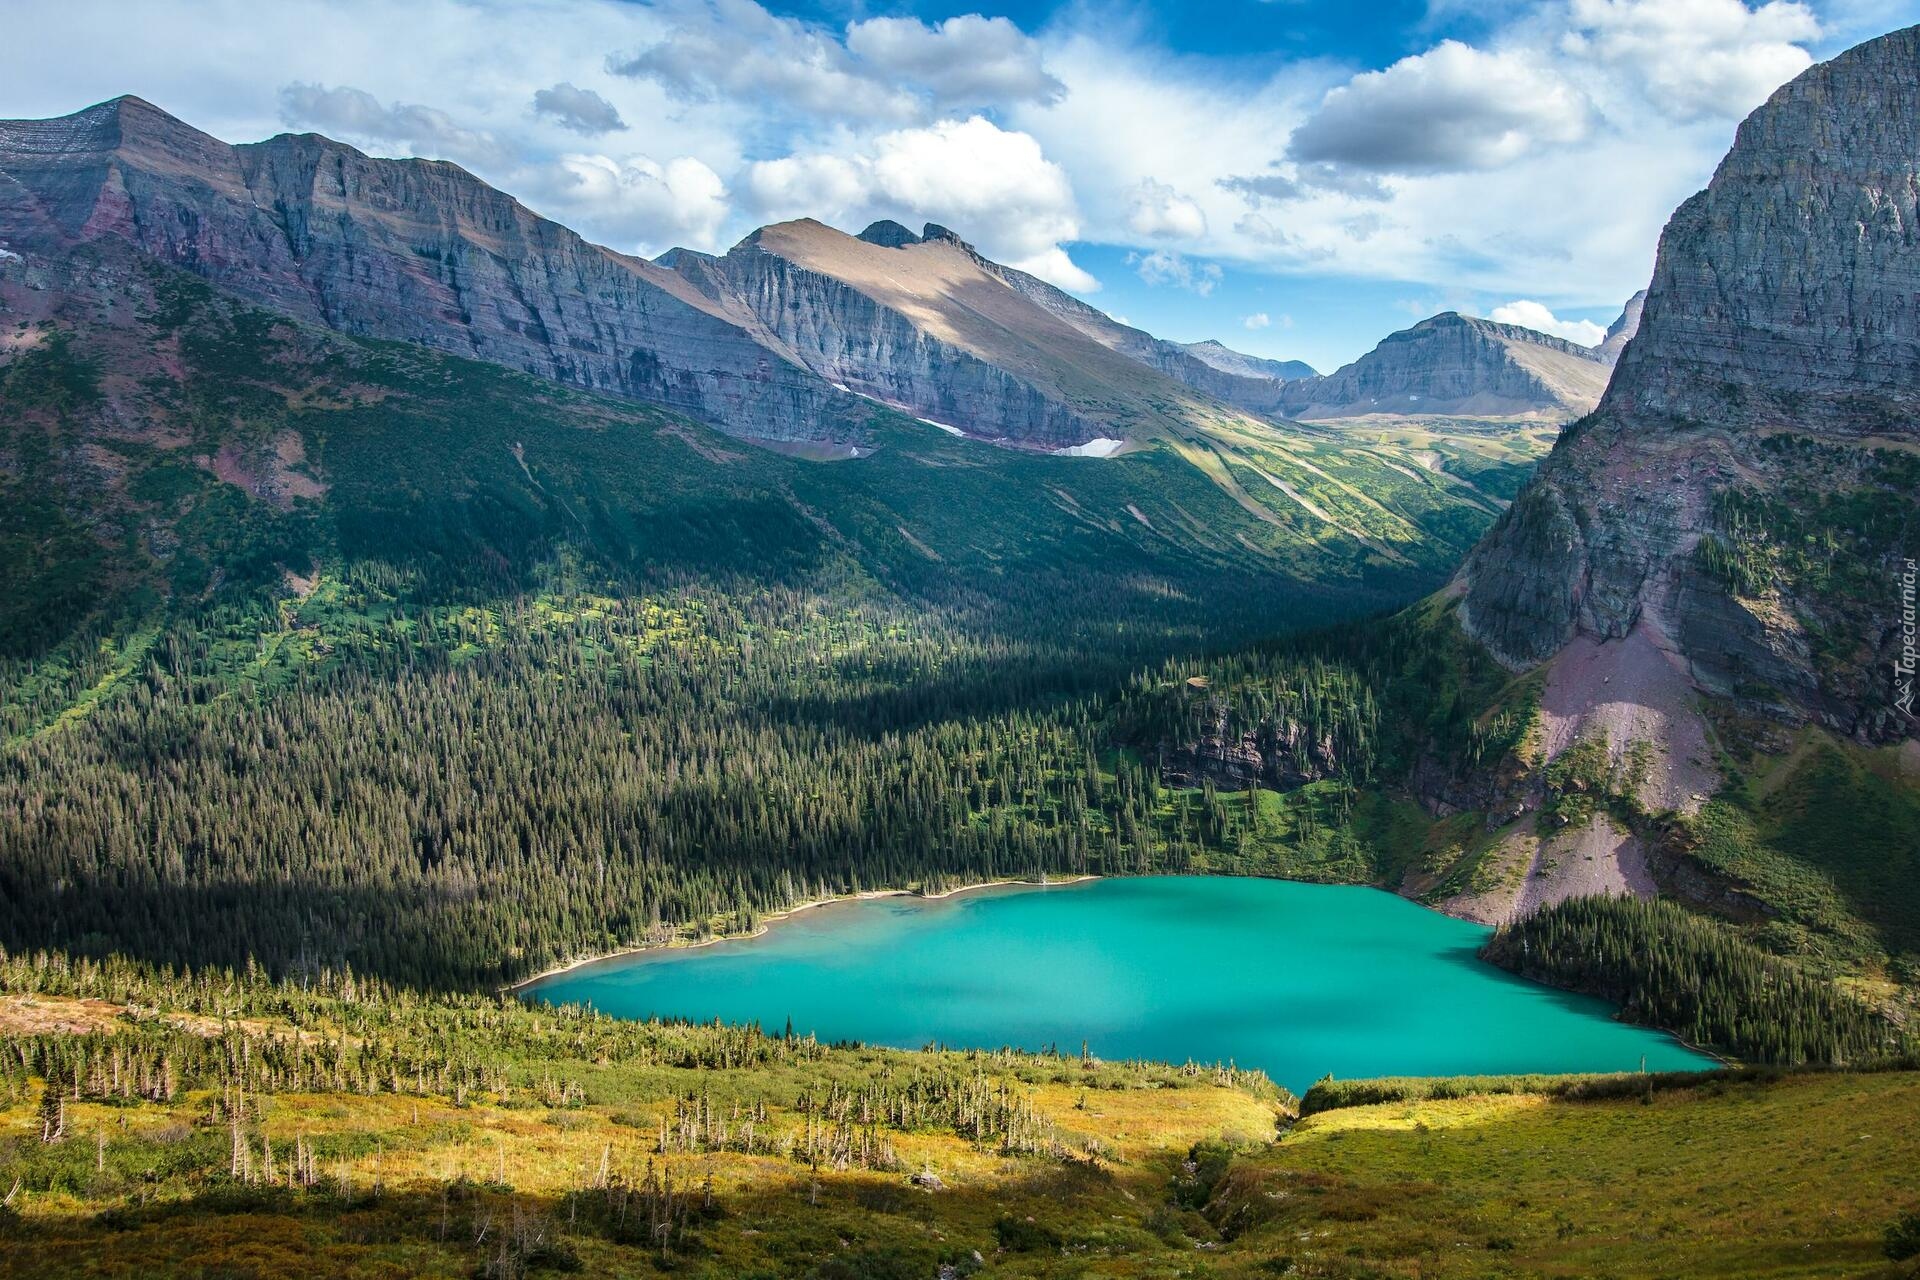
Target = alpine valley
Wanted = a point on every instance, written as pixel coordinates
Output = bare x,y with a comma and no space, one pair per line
403,598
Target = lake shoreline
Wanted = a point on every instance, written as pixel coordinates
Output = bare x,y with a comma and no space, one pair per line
1307,979
767,922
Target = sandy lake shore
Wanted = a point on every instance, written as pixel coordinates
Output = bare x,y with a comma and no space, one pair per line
768,921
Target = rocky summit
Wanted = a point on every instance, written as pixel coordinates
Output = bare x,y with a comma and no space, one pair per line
1742,499
1457,365
1622,330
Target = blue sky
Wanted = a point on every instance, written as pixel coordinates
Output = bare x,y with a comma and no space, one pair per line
1297,178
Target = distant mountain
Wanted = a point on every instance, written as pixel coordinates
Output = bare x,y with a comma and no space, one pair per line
925,324
1621,331
1455,365
1250,389
1227,360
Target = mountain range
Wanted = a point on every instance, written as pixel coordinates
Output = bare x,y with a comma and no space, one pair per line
796,333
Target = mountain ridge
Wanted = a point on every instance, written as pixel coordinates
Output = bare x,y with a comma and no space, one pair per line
424,251
1453,364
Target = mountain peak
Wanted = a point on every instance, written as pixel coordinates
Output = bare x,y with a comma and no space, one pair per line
934,231
888,234
1839,328
1621,331
104,126
1458,365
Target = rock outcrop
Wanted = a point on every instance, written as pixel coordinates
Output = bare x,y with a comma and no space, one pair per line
1621,331
1746,493
1459,366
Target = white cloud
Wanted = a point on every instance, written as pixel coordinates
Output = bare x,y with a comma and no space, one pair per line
1163,266
1533,315
1696,58
1452,108
581,110
351,114
968,61
884,70
1258,320
806,186
994,186
1056,268
1163,213
655,205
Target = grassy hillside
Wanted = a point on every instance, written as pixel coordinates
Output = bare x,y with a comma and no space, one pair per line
226,1126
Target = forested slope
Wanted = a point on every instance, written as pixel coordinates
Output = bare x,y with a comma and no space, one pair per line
324,652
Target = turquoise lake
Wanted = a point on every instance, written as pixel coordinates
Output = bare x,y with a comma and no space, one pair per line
1296,979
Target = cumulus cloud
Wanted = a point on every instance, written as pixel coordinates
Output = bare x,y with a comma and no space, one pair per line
1695,58
968,61
1055,267
581,110
884,70
1450,109
736,49
1346,182
801,185
1258,320
1533,315
654,205
357,116
1164,266
993,185
1163,213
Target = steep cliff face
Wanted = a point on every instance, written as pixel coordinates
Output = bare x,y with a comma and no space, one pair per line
1621,331
415,250
1455,364
1746,495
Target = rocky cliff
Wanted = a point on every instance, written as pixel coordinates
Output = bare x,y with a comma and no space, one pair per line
1456,365
415,250
1621,331
1747,494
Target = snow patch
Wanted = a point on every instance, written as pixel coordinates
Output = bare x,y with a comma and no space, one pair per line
8,255
1098,447
950,430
